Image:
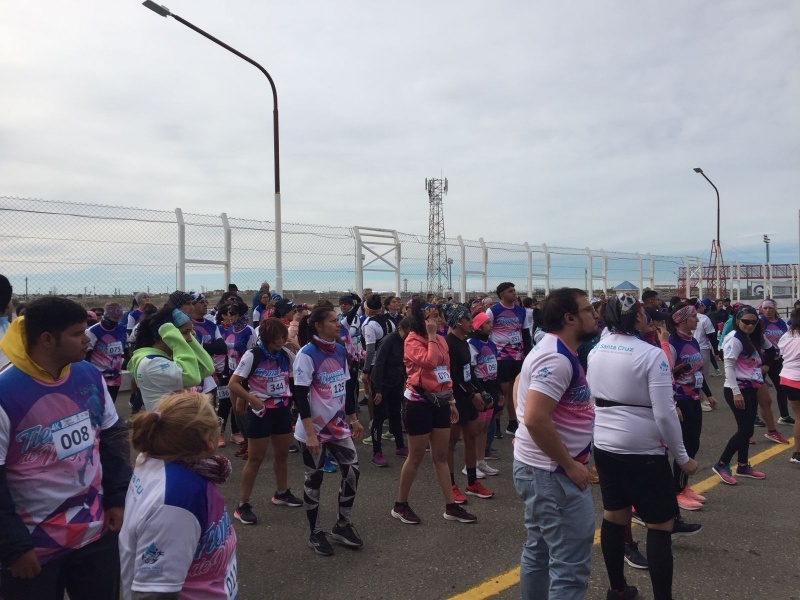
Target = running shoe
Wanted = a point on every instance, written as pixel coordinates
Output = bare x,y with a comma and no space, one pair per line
403,512
244,512
478,489
221,441
241,450
786,420
459,514
512,427
401,452
724,472
487,470
749,471
687,503
328,465
378,460
634,557
286,498
716,373
752,442
629,593
594,478
458,497
684,529
319,542
293,449
367,440
759,422
346,534
492,454
635,518
387,435
775,436
498,432
478,473
236,438
795,458
705,406
694,495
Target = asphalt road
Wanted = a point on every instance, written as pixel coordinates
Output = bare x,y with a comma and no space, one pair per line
748,548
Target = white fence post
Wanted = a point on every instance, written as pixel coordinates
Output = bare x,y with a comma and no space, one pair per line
589,275
530,269
700,279
181,249
605,271
739,282
641,274
652,271
688,266
226,229
485,252
359,264
546,269
463,277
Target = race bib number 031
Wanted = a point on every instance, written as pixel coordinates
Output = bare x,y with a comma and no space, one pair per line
72,434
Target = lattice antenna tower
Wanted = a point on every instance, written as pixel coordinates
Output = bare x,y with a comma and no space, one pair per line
437,247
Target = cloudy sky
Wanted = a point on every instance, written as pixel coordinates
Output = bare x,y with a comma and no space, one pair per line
573,124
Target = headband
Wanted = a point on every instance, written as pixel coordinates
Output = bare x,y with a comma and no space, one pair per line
679,316
746,310
454,313
627,303
769,304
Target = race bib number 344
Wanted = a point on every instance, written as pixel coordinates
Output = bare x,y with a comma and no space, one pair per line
72,434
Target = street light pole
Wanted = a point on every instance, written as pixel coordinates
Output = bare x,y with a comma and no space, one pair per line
717,242
766,242
165,12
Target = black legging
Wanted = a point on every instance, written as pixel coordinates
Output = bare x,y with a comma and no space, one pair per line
745,422
691,426
391,402
774,374
224,411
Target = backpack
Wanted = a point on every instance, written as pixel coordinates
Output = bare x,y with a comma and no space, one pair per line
256,361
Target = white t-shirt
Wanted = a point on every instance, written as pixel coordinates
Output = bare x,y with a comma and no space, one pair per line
373,333
704,328
625,369
789,345
551,368
741,371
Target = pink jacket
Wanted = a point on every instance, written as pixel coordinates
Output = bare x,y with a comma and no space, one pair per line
421,357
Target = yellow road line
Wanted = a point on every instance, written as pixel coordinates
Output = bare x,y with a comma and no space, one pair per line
503,581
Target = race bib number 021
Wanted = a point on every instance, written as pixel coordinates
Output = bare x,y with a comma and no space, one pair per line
72,434
231,579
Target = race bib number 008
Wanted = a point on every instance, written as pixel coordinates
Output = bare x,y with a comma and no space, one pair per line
72,434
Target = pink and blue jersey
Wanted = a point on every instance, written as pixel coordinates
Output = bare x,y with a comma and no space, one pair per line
269,382
50,447
326,376
177,535
206,331
108,348
484,358
347,340
507,324
773,331
687,386
238,343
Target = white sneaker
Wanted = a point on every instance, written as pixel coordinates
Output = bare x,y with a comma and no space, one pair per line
478,473
705,405
715,373
490,471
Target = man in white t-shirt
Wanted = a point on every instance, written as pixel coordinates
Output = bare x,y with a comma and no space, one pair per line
555,410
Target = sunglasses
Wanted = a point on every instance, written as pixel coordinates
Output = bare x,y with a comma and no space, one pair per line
748,322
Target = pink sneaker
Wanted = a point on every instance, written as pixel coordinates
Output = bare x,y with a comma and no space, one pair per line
748,471
775,436
724,472
401,452
686,503
694,495
458,497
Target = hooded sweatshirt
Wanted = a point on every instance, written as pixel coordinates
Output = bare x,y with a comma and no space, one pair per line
62,446
158,374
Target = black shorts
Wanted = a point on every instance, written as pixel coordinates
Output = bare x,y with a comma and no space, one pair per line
792,393
276,421
420,418
507,370
466,411
640,480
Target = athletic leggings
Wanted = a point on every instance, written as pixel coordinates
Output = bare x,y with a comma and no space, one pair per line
344,453
224,411
391,402
691,426
775,375
745,422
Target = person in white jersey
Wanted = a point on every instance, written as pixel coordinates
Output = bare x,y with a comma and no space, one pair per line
636,425
555,412
789,346
706,336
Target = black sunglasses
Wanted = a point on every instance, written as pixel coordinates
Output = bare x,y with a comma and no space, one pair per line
749,322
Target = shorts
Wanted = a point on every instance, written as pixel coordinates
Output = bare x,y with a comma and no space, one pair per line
420,418
792,393
276,421
641,480
466,411
507,370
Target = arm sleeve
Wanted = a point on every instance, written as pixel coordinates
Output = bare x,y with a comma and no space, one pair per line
712,338
370,358
380,365
526,341
217,346
115,458
706,389
301,400
731,351
660,387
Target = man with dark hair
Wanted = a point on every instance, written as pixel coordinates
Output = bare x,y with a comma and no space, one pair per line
556,411
6,307
513,341
64,461
650,298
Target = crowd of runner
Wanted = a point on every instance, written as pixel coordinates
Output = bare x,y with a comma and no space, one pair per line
618,382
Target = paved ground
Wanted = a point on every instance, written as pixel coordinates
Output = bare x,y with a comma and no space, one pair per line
748,548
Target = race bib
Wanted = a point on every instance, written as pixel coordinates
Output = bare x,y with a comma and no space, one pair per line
276,386
223,393
514,338
758,375
467,373
338,389
491,366
231,580
442,374
698,380
72,434
206,339
114,349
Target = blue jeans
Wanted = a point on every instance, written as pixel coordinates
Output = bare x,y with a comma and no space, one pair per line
559,519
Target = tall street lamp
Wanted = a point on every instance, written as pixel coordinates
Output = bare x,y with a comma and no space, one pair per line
165,12
717,242
766,242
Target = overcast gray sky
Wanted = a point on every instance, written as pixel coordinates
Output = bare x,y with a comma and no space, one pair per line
573,124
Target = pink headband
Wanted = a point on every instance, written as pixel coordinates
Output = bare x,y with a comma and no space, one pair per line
681,315
769,304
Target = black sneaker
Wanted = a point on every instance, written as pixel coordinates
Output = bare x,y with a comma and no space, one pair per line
293,449
347,535
787,420
635,558
363,401
635,518
795,458
629,593
403,512
287,498
759,422
457,513
684,529
511,429
244,512
319,542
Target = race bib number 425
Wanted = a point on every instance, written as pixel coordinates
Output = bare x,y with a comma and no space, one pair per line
72,434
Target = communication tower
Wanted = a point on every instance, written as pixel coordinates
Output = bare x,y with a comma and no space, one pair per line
438,279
